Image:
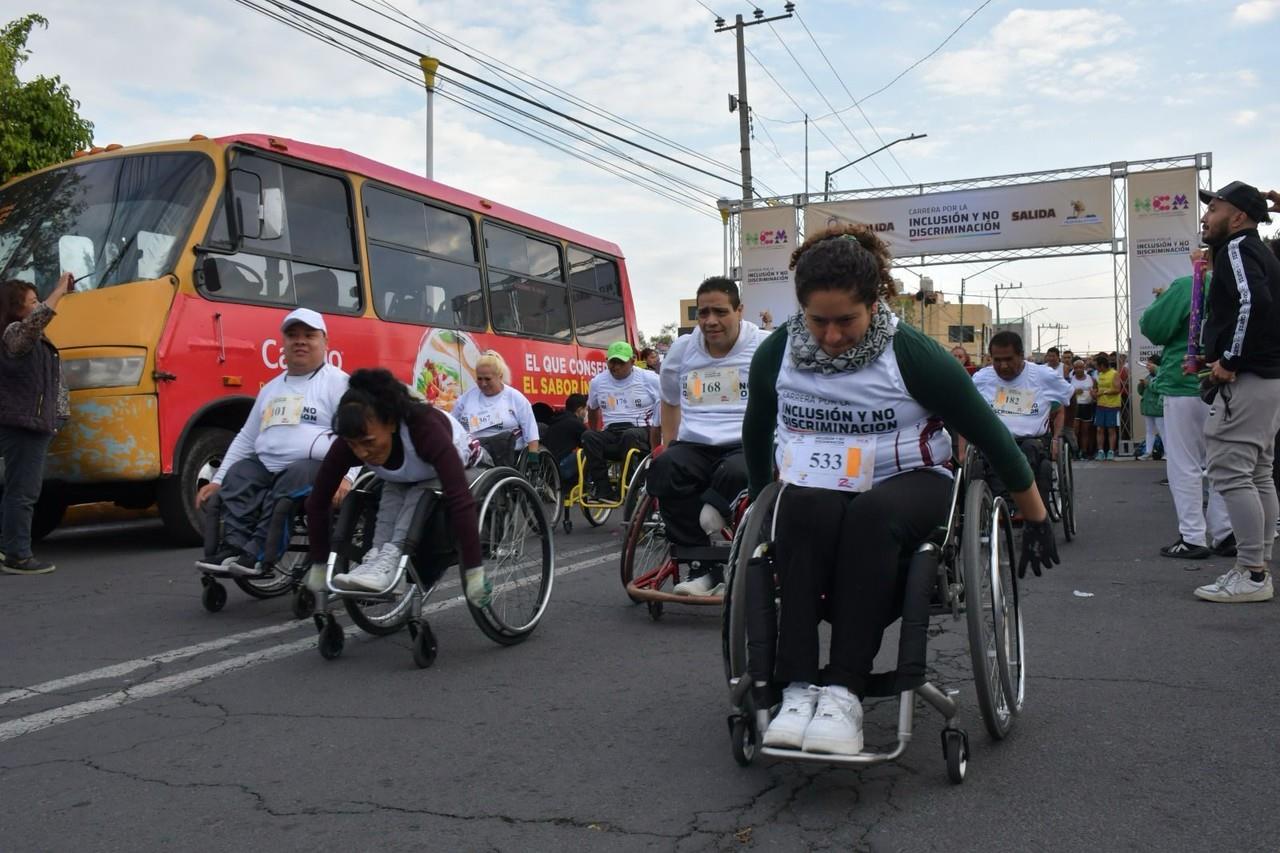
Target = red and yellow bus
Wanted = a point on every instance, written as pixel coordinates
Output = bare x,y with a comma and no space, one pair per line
192,253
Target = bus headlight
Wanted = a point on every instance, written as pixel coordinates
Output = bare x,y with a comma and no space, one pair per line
103,371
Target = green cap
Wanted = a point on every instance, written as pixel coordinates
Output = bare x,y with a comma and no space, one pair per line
620,350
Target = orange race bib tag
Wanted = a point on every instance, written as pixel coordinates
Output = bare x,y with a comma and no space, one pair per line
840,462
483,420
285,410
712,387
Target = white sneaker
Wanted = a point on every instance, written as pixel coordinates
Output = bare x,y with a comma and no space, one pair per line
787,728
711,520
701,585
372,575
340,579
836,727
1236,587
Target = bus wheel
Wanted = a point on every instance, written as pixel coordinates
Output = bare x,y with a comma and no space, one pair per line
177,495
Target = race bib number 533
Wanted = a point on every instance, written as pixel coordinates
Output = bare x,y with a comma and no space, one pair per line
843,463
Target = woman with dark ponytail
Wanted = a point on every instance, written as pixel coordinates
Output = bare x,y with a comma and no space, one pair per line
857,401
408,443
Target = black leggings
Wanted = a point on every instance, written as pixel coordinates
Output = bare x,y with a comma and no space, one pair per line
851,549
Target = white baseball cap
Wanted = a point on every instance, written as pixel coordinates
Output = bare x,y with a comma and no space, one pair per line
305,316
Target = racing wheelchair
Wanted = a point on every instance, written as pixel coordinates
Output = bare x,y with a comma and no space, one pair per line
964,569
519,561
284,561
650,561
627,476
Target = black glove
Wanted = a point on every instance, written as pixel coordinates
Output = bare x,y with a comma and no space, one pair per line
1039,549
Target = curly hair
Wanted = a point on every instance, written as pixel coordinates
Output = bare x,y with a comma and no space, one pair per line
847,257
371,392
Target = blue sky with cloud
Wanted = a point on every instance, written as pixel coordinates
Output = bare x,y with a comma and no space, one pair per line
1022,87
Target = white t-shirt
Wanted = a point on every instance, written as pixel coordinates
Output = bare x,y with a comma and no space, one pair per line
506,411
1023,404
711,392
290,421
1082,388
633,400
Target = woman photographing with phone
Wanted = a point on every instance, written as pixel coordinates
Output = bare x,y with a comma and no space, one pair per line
33,407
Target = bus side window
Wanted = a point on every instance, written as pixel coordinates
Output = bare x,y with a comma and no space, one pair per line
597,299
423,262
526,285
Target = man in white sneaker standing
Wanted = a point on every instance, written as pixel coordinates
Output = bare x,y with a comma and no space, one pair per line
1242,350
704,398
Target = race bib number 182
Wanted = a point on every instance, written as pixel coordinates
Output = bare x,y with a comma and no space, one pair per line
843,463
1014,401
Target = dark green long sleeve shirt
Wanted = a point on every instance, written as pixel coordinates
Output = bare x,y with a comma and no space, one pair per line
933,378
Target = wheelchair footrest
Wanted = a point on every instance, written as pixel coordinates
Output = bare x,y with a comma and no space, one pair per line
646,594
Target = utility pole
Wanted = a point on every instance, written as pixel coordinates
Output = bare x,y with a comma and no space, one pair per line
1040,327
975,275
1000,287
740,102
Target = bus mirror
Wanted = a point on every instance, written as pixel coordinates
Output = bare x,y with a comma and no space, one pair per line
209,273
272,214
246,206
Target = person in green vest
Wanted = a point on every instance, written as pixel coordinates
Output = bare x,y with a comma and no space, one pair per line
1165,323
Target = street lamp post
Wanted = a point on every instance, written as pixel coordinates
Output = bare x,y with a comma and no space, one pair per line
826,181
430,65
722,204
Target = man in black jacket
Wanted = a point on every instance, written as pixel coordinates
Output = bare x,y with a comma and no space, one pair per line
1241,337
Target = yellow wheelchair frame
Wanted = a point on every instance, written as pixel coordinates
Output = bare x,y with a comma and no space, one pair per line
633,465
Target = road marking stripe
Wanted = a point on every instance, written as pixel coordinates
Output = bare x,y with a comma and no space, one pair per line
182,680
123,668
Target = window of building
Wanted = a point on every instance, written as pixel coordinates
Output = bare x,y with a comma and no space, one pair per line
960,334
422,262
527,294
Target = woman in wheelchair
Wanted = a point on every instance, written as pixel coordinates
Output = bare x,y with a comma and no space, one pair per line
408,444
857,402
496,414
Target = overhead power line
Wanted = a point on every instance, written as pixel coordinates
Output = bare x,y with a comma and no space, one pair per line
509,92
307,25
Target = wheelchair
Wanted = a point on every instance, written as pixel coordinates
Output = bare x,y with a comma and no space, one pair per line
1062,494
543,474
283,565
627,476
518,559
965,569
650,560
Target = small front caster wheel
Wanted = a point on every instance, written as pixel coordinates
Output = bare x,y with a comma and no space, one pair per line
568,525
304,603
332,639
214,596
955,748
424,644
655,610
742,734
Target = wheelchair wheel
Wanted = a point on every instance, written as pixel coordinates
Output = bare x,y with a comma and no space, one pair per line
1054,499
754,530
292,565
992,616
596,516
544,476
646,549
637,490
381,617
519,561
1067,490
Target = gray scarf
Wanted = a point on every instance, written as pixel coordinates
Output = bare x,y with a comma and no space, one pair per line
806,354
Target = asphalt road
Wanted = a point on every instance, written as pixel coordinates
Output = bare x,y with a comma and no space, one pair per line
130,719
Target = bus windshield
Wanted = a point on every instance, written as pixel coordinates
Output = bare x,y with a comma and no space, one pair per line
107,222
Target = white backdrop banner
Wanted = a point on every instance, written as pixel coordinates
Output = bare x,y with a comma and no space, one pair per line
1164,226
1054,213
768,237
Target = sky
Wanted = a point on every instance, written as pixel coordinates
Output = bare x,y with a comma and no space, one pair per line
1020,87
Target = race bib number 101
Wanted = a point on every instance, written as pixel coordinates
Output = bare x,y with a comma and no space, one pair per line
285,410
843,463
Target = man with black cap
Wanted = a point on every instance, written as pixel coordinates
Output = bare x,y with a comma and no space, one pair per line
278,451
1241,337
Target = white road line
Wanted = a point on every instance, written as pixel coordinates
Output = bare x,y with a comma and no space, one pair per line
180,681
123,668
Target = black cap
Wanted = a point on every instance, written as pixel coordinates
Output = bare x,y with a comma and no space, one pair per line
1244,197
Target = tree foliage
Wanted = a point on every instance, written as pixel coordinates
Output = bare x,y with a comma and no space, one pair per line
665,336
39,122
